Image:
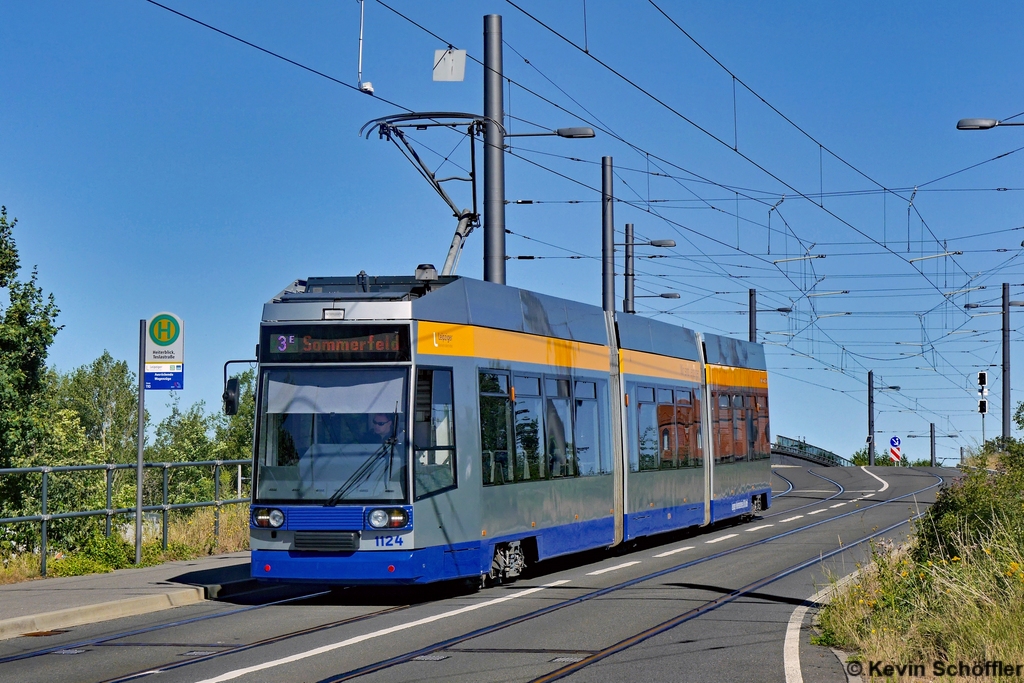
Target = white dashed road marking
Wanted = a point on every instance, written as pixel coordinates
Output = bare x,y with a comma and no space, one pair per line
611,569
721,538
236,673
673,552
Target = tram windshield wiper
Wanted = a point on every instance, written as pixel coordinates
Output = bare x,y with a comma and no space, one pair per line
363,473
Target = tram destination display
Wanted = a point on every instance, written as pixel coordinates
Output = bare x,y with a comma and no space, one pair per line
334,343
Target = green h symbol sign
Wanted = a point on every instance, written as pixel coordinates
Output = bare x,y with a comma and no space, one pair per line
164,330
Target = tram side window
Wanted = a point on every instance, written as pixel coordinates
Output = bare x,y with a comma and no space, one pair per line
495,428
724,429
588,429
530,463
739,429
686,430
763,439
666,429
434,432
648,436
558,427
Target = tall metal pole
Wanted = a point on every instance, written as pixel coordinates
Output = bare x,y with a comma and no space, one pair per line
359,76
753,316
1006,361
628,305
142,441
607,236
932,433
871,417
494,153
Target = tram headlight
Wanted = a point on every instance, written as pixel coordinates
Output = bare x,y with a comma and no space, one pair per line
378,519
389,518
268,517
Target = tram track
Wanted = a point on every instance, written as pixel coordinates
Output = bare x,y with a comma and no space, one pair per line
707,607
156,627
779,495
513,621
105,640
169,666
840,492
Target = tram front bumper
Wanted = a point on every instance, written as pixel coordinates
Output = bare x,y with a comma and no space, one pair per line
359,567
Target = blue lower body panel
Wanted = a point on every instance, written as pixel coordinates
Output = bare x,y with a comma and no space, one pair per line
424,565
660,520
733,506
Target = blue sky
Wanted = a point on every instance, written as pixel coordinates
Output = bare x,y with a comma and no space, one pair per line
157,165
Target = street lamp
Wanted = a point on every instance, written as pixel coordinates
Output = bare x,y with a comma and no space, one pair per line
630,275
982,124
753,311
1006,351
571,133
871,413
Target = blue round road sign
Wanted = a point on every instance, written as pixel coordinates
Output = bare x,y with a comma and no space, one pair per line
895,442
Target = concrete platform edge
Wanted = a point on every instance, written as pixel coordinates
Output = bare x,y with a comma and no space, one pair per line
104,611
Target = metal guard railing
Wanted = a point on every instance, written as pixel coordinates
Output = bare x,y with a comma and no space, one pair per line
44,518
801,449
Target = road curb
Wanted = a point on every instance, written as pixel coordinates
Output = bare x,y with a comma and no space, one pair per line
219,591
103,611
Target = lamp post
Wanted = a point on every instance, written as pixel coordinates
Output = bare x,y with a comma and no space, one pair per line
494,151
753,311
1007,409
630,274
871,414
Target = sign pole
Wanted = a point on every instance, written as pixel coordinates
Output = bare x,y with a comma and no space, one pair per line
142,441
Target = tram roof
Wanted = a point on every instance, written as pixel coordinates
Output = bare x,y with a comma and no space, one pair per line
466,301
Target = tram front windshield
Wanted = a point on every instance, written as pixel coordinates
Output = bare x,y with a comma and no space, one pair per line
332,435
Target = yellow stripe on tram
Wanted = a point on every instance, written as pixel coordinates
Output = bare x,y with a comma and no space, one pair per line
449,339
736,377
653,365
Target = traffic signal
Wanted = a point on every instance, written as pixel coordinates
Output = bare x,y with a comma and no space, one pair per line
983,406
983,379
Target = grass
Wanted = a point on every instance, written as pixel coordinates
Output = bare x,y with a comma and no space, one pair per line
905,610
954,591
188,536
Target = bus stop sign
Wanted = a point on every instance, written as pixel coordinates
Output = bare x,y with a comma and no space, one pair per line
165,352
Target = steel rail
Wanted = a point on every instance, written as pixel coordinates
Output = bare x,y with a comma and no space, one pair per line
709,606
486,630
150,629
170,666
841,491
785,480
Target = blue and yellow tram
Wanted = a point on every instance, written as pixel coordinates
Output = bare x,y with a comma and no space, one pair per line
412,430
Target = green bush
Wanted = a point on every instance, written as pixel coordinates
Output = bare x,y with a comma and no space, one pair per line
967,510
77,565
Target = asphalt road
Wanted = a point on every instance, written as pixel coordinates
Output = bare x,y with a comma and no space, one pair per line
709,604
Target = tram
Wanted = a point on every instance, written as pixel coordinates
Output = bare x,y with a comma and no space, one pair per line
426,428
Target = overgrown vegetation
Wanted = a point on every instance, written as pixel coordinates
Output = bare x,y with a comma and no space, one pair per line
89,415
954,592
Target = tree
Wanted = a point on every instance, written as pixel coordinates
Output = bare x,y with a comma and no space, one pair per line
182,436
105,396
861,458
27,329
